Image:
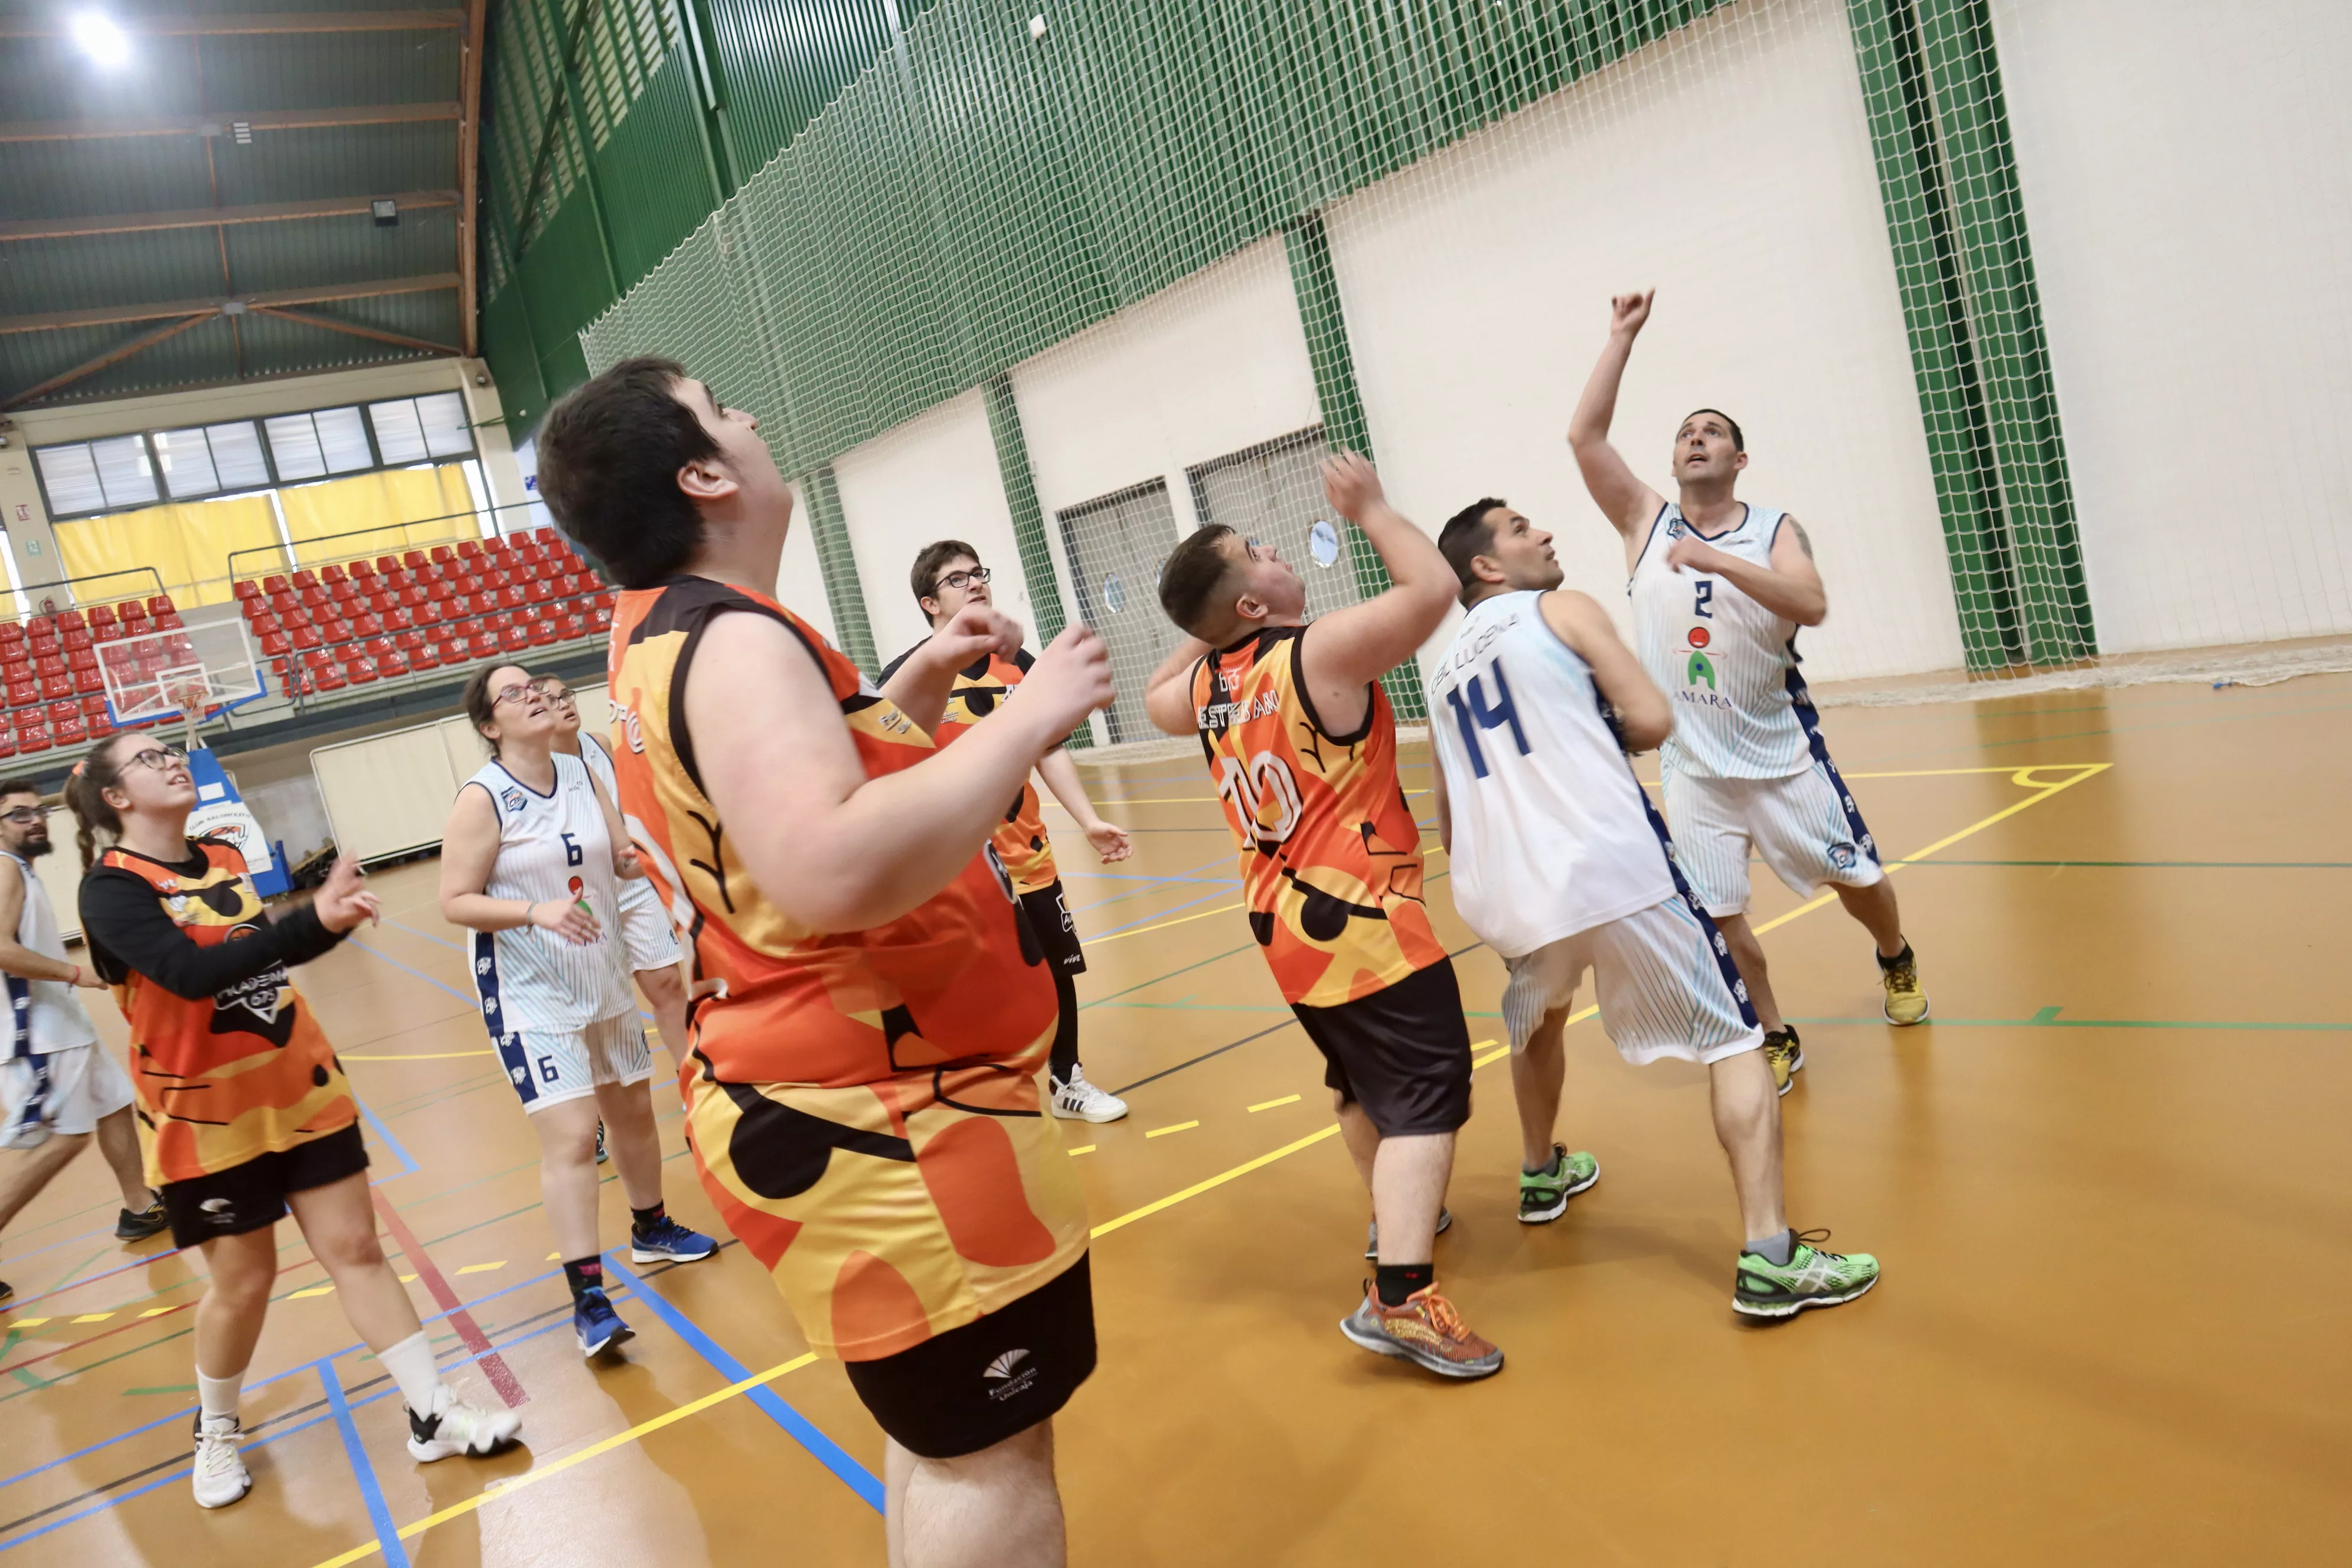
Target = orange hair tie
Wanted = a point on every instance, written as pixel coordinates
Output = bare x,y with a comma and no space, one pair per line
77,767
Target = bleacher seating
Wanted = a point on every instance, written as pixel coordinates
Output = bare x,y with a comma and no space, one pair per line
353,621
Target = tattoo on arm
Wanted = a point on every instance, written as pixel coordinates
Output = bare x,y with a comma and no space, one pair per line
1804,540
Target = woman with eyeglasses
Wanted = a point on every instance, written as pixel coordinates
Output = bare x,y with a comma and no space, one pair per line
251,1113
531,863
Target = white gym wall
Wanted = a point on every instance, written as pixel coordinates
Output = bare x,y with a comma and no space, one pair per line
1730,166
934,477
2183,169
1206,367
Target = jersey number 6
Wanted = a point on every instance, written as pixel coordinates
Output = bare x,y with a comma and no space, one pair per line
1475,715
572,855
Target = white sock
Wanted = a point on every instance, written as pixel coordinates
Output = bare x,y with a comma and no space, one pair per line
219,1395
410,1364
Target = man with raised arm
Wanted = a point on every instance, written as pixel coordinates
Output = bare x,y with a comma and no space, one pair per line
1302,744
870,1007
947,575
1561,865
1720,590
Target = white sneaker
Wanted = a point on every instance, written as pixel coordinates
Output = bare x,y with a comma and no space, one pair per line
1078,1100
458,1427
220,1477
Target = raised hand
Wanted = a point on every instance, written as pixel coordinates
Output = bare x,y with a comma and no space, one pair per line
974,632
1070,679
342,903
1627,312
1351,485
1695,554
626,865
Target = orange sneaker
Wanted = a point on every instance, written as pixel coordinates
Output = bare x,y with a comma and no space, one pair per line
1426,1330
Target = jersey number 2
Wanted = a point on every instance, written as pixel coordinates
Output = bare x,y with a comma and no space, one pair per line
1475,715
572,855
1706,597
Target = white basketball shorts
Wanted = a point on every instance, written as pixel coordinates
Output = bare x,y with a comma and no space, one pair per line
1806,827
548,1067
63,1092
1664,980
645,930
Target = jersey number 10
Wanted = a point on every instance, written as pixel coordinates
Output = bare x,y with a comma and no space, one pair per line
1474,715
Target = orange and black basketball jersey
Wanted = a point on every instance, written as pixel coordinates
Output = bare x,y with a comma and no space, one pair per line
863,1105
228,1063
980,690
1331,857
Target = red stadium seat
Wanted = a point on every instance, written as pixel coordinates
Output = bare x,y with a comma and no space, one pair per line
396,615
314,595
542,633
601,617
514,636
81,658
444,554
304,578
275,584
365,625
71,621
458,606
385,565
414,596
103,615
306,637
470,547
161,605
391,663
573,623
346,592
76,638
276,642
89,680
331,573
359,572
358,669
482,643
412,559
32,736
510,597
7,739
284,603
11,632
167,620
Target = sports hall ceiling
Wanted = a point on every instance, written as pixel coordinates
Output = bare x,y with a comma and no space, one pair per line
198,211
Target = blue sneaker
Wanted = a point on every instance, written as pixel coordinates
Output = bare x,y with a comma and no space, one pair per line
669,1241
595,1324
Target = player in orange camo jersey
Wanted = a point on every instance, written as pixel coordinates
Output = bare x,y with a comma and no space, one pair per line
248,1111
1301,743
947,575
871,1007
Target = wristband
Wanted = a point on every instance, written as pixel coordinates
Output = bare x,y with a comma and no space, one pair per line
529,910
77,976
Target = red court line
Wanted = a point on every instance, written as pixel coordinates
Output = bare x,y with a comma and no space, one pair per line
493,1366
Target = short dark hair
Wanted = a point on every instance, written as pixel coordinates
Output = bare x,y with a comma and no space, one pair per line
609,453
19,786
1196,569
925,577
1738,441
1468,535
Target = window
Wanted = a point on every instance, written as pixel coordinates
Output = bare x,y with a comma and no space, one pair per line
118,473
419,429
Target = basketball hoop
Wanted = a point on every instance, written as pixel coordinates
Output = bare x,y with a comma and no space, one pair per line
191,673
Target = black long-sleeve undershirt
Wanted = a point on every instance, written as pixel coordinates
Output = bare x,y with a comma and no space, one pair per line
129,929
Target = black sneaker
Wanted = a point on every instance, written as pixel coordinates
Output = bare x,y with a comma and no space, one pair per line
601,1155
6,1290
149,1221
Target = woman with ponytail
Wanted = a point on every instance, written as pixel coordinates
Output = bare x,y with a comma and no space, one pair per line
249,1110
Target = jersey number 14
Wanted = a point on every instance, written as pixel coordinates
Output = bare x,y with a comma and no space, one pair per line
1472,715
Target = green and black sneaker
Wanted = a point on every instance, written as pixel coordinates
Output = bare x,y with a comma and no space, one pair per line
1544,1195
1811,1277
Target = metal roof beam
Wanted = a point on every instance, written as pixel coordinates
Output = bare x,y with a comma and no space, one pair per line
55,25
221,121
91,367
398,339
470,161
205,217
107,315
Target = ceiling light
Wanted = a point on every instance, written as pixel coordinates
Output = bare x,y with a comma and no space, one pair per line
386,212
100,39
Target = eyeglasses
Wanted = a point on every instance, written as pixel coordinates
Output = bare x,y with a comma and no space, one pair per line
556,695
963,580
159,758
24,817
512,694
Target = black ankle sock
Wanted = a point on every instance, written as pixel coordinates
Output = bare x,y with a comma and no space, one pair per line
1395,1281
1550,1167
583,1274
647,1218
1903,957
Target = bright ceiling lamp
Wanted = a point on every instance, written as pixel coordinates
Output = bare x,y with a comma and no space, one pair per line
100,39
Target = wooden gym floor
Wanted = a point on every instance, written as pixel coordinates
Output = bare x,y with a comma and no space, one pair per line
2108,1183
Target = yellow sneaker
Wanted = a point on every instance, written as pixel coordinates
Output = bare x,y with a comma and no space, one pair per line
1906,1001
1786,1054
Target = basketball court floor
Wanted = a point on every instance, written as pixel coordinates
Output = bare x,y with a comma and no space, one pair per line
2109,1183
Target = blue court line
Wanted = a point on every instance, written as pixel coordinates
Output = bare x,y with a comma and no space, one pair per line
179,1474
1161,914
387,1534
828,1453
384,1134
472,1005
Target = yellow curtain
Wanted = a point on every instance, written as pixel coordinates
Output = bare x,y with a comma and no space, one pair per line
187,543
399,509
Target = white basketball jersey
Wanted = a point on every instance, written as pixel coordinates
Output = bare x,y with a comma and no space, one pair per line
46,1015
1551,834
552,846
637,891
1728,664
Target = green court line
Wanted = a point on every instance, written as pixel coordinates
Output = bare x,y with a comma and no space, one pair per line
63,1280
2048,1018
166,1388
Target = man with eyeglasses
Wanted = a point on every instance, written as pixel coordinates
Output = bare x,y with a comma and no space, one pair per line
948,576
58,1085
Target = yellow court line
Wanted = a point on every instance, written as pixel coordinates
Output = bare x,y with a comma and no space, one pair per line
36,1322
1083,1148
1178,1127
1163,925
415,1056
483,1267
531,1478
1270,1104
